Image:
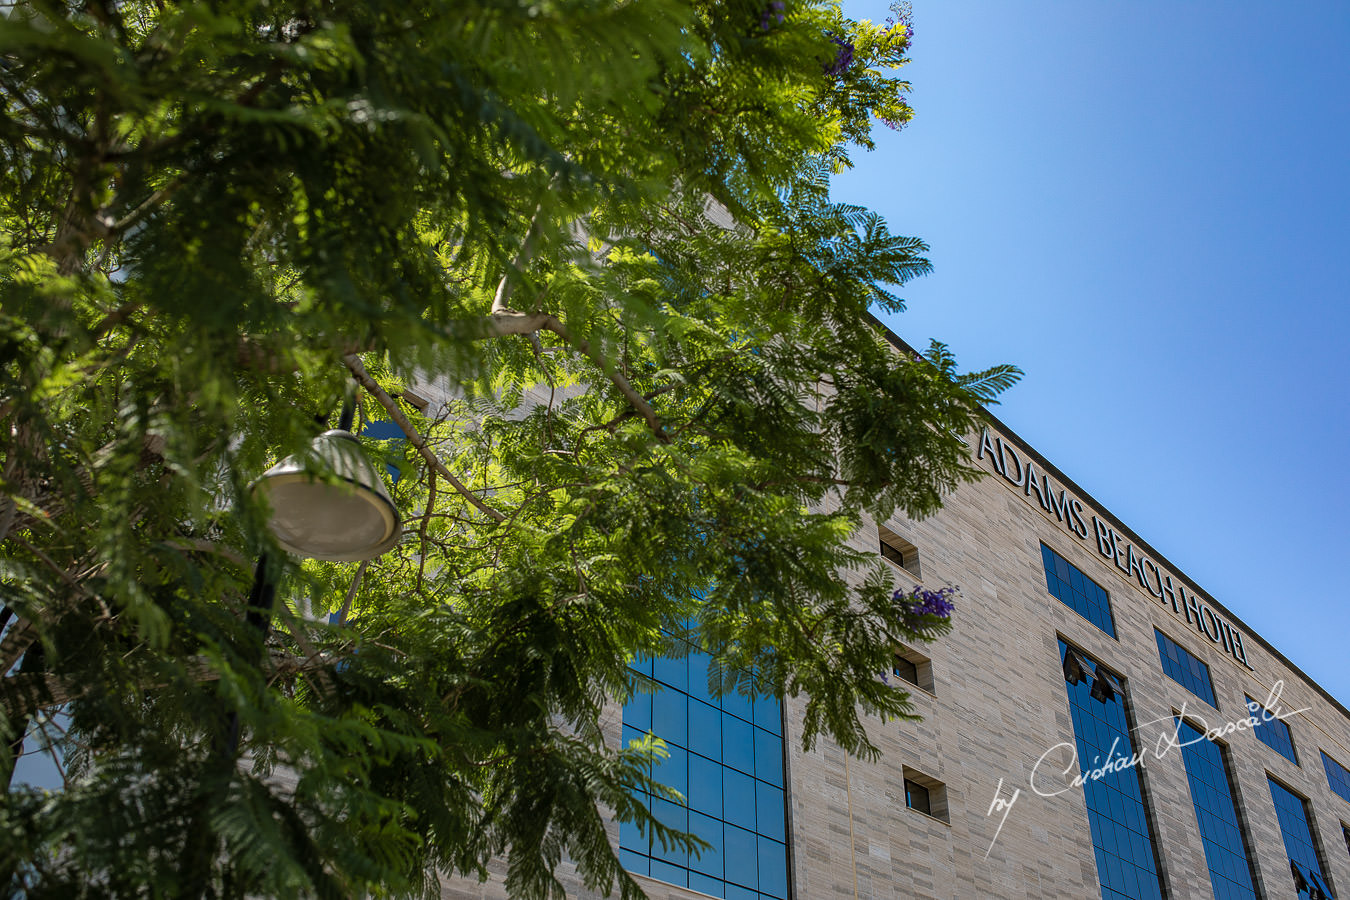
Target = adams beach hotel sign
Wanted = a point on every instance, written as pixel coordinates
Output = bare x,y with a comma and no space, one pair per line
1023,474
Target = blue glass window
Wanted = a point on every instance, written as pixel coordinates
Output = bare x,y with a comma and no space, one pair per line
1226,850
1185,668
726,758
1292,811
1127,864
1273,732
1078,592
1337,776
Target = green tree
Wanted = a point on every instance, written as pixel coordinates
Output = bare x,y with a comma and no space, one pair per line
217,216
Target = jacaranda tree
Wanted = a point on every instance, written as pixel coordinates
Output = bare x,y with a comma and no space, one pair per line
601,231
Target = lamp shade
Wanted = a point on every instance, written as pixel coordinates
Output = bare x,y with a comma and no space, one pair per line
345,518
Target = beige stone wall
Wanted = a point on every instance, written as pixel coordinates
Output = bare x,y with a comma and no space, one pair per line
999,704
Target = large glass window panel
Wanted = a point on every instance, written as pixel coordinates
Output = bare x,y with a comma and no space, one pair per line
1226,852
1272,732
1337,776
772,868
671,815
670,715
709,829
698,677
726,758
670,873
672,672
738,706
673,771
738,798
637,712
768,757
1127,864
1292,812
1076,591
713,887
768,714
738,743
705,729
637,863
1185,668
742,863
769,806
705,785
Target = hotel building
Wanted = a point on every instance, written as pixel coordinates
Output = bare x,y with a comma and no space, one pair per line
1094,725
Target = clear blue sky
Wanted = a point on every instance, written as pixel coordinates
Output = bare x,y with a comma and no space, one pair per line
1145,206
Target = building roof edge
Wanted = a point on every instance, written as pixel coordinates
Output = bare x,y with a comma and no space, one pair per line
900,344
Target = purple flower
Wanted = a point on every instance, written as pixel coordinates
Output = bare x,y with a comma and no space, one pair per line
922,602
772,12
843,56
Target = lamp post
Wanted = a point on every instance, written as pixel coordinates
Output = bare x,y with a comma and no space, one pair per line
327,503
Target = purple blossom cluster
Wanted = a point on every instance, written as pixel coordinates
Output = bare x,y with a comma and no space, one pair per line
843,57
773,12
922,602
902,16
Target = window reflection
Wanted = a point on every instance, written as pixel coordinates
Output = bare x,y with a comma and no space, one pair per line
1226,852
1305,862
726,758
1185,668
1121,838
1076,591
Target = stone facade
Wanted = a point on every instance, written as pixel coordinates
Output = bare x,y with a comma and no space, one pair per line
998,711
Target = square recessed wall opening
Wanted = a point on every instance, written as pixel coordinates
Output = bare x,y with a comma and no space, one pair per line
925,794
913,667
899,552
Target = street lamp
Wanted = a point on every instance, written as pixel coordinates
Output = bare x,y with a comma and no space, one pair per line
346,517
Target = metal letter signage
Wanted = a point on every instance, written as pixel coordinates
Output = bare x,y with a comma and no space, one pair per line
1128,562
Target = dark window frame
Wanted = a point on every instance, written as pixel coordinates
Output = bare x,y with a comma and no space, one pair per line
906,661
1272,732
1077,593
1207,797
934,792
1338,776
917,797
1304,810
1120,811
1186,674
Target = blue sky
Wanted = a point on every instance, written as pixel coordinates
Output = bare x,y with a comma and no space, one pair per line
1146,206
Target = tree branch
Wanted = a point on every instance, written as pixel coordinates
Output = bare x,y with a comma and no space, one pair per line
353,362
508,283
510,322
